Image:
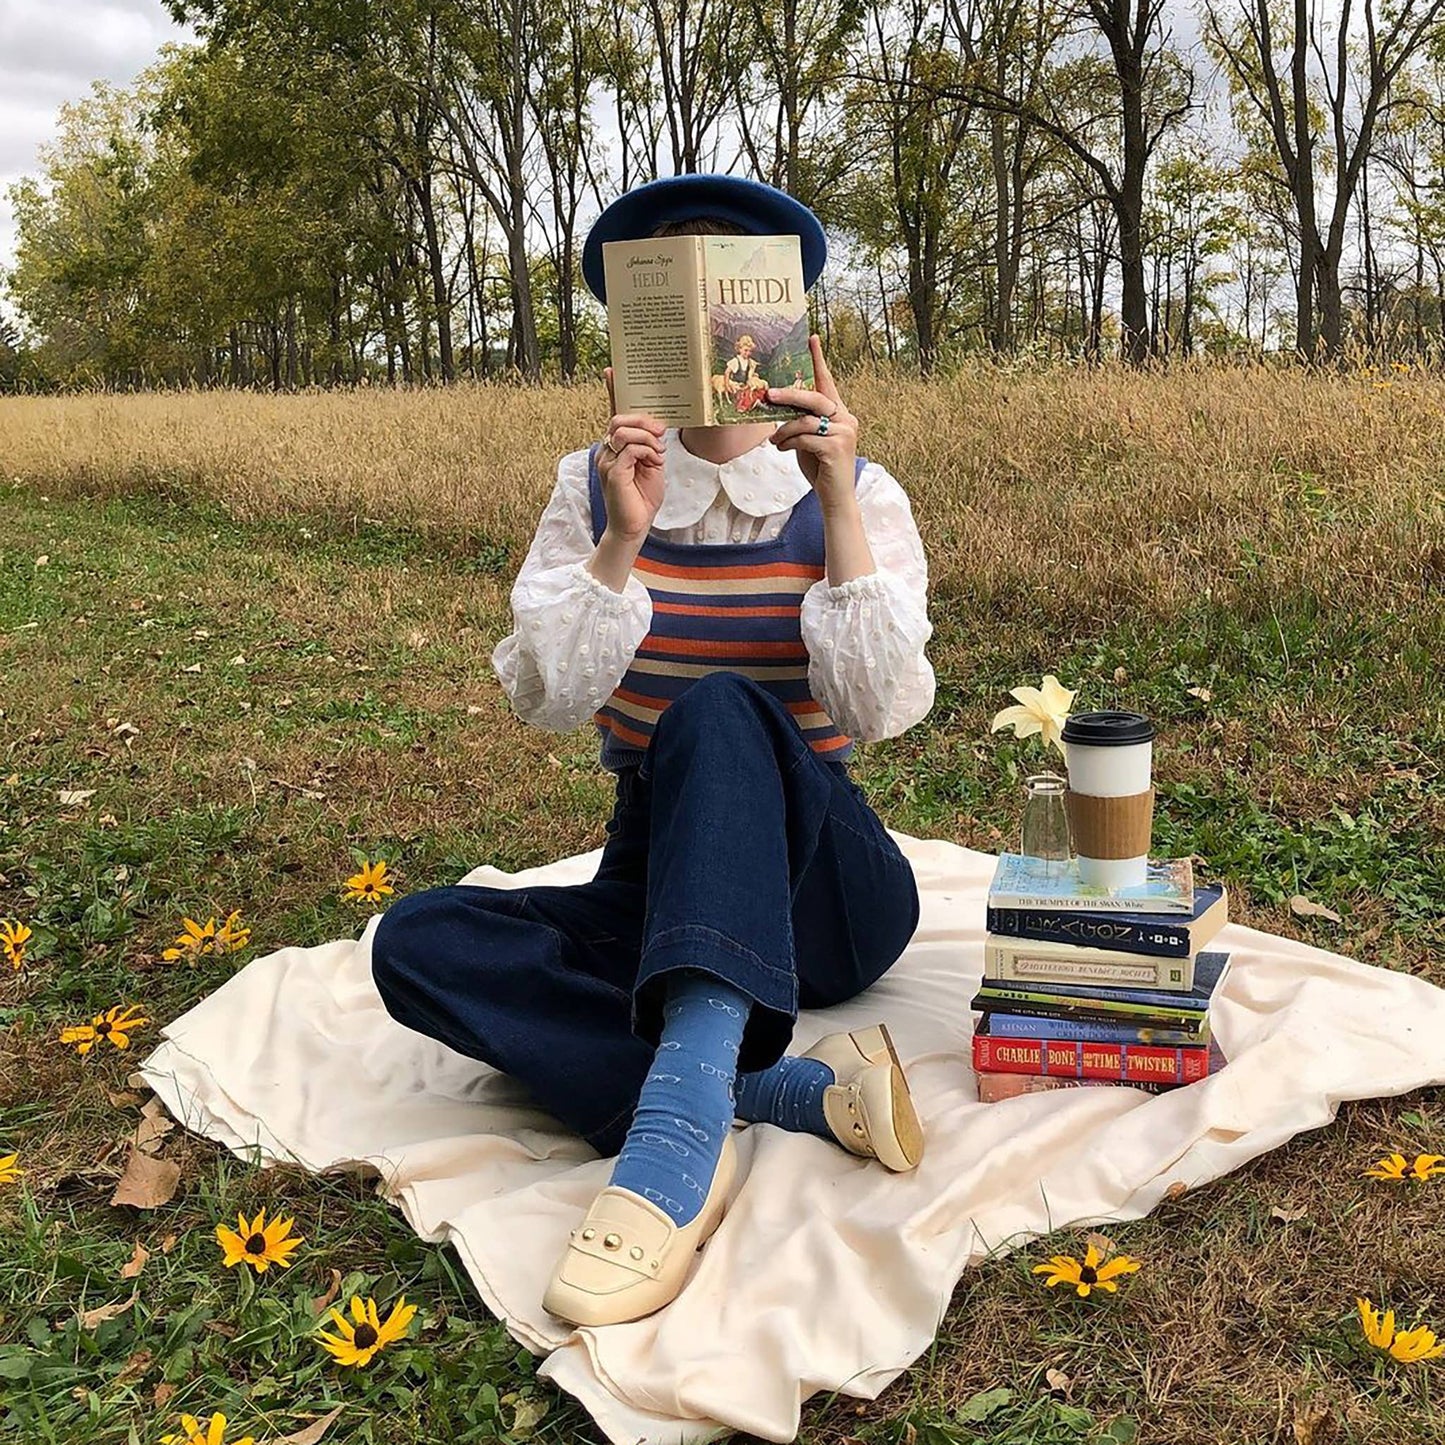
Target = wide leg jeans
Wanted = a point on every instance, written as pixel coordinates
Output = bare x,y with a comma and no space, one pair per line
733,848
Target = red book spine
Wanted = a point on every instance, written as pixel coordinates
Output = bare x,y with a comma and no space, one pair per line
1083,1059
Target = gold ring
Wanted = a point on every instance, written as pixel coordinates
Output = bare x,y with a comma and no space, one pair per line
607,442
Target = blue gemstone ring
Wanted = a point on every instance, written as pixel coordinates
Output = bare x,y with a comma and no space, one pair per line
822,426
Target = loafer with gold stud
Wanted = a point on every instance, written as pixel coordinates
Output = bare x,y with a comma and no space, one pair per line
869,1109
627,1259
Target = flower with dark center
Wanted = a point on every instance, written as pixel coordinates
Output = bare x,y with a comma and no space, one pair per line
1089,1273
257,1243
13,937
370,885
116,1024
365,1334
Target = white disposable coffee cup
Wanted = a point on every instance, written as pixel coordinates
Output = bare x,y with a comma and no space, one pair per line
1110,756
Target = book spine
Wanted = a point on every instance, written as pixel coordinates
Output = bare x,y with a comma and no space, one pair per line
1124,1063
1006,999
1035,1026
995,1088
1021,964
702,342
1078,903
1097,931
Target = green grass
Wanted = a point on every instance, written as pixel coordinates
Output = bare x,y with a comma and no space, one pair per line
345,705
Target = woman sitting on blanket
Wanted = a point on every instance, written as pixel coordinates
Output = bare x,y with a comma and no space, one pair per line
732,606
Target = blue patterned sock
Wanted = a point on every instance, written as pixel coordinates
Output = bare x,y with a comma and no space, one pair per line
685,1108
790,1095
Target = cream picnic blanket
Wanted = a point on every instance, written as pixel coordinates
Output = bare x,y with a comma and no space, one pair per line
828,1273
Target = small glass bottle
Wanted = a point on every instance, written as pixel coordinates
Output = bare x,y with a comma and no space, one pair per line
1045,832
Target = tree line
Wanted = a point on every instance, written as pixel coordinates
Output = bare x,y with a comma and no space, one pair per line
342,191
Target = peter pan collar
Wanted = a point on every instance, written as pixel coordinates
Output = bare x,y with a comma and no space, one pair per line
760,482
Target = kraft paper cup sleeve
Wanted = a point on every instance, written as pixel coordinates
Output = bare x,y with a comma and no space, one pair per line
1111,827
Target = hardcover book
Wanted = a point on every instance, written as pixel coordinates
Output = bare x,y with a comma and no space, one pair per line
1021,960
1159,935
1144,1008
1038,883
702,326
1031,1026
1124,1063
995,1088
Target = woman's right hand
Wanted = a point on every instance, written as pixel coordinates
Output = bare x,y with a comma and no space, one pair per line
629,464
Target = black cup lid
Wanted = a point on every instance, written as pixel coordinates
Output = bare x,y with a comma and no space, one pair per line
1108,729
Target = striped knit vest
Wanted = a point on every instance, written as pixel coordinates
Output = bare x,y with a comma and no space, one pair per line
720,607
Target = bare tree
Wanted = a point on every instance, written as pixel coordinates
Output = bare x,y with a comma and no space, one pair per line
1282,96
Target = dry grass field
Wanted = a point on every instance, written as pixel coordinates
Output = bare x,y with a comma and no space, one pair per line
257,630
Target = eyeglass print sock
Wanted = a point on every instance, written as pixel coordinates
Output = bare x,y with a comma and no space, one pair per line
790,1095
685,1108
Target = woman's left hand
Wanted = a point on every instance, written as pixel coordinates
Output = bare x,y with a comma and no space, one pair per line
827,458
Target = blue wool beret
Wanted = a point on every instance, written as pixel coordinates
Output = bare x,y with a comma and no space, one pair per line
759,209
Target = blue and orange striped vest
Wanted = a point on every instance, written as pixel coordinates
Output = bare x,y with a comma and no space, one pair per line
720,606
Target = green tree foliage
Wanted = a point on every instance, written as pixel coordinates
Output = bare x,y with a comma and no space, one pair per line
336,191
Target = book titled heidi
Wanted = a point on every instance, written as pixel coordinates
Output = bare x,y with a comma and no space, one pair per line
1157,935
1079,1059
702,326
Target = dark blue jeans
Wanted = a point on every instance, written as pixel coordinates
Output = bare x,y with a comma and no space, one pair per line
734,848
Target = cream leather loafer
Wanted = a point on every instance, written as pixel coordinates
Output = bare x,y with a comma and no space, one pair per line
869,1109
627,1259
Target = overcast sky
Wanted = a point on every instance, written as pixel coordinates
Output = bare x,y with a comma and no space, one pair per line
50,51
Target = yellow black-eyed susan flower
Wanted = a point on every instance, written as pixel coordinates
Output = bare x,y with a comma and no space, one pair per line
194,1433
13,937
116,1024
257,1243
232,935
1406,1346
370,885
1088,1273
365,1335
198,938
10,1169
1396,1169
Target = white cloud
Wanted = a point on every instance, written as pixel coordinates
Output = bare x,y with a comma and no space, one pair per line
49,54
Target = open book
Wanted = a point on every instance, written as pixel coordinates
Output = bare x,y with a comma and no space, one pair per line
701,326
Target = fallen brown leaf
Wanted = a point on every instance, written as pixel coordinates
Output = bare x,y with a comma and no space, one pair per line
1101,1242
168,1243
89,1319
1286,1216
1058,1380
123,1100
147,1183
1303,907
321,1302
137,1262
136,1366
1177,1190
530,1412
312,1434
150,1133
1312,1423
164,1391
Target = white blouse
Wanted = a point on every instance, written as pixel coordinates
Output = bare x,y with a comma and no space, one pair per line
574,636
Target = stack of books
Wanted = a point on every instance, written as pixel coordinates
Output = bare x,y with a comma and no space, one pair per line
1083,986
